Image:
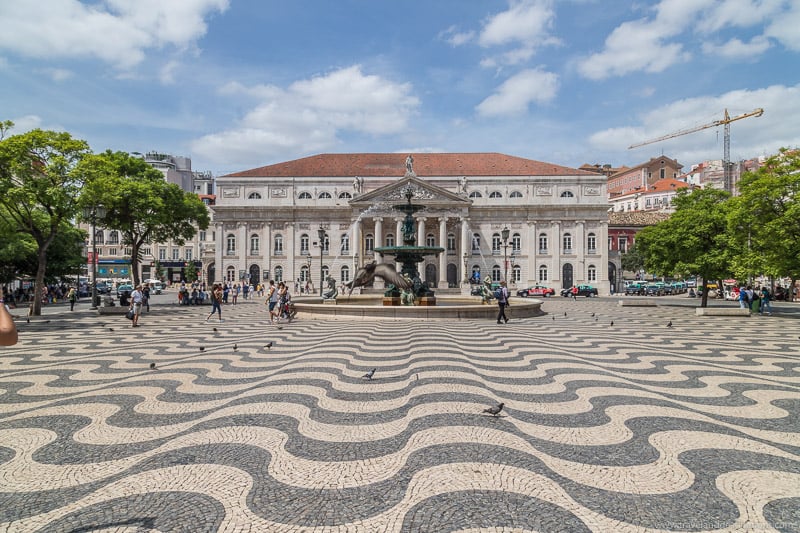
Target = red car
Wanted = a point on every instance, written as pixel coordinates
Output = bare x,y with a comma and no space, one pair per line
536,291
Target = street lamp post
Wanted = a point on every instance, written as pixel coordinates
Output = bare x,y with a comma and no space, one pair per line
92,214
504,235
321,235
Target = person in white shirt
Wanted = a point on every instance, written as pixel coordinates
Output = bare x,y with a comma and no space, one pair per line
137,298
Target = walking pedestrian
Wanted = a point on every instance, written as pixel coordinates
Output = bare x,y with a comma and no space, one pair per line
136,305
235,294
765,302
272,300
216,302
502,302
72,296
146,297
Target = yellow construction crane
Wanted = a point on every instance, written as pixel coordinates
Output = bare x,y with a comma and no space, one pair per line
726,121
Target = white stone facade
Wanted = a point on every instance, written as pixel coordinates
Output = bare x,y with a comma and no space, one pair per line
267,220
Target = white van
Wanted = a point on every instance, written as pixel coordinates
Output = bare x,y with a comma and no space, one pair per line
156,287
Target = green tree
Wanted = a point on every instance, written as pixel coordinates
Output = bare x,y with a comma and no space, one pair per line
693,241
764,221
40,184
140,204
159,270
632,260
190,271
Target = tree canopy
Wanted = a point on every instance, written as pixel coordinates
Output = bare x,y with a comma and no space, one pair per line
140,204
40,184
693,241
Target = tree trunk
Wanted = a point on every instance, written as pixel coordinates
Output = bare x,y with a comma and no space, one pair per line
39,284
704,299
135,264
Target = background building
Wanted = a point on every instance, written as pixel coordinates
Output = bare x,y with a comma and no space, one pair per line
268,219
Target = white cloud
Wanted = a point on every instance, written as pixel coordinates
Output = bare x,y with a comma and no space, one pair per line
118,32
456,38
736,49
750,137
309,116
785,28
517,92
525,26
167,72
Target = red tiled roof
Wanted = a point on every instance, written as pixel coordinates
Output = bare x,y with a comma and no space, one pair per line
425,164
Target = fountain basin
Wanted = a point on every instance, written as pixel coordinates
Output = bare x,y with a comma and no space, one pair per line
370,307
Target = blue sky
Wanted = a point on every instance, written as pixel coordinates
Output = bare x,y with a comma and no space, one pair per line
237,84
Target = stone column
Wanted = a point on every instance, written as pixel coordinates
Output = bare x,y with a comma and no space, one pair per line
421,242
268,256
242,250
378,237
289,246
465,249
603,285
356,244
219,251
378,283
398,238
580,244
443,256
533,249
555,240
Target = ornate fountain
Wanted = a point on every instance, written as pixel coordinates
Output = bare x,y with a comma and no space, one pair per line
409,255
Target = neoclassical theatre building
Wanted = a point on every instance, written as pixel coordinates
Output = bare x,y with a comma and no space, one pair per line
325,214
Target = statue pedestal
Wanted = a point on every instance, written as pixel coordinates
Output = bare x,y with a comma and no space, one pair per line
329,301
389,301
426,301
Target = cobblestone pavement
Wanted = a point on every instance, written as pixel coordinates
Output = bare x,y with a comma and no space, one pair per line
634,426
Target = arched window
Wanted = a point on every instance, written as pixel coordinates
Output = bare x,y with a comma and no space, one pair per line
304,244
230,274
515,194
324,195
591,273
542,272
345,274
304,274
475,194
345,244
113,237
476,243
254,242
516,243
496,273
99,236
278,274
345,196
567,243
516,274
305,196
567,194
430,240
591,243
369,243
325,272
543,243
230,244
326,244
451,242
278,244
496,242
390,239
254,196
495,194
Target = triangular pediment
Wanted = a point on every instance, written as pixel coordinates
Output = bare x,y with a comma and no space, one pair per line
423,193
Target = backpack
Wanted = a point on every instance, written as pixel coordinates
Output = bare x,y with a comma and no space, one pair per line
499,295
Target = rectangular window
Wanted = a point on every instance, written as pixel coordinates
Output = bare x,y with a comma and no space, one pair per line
147,251
112,251
176,254
188,254
162,254
623,244
201,235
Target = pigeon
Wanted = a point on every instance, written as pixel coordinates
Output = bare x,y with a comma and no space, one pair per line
554,318
612,322
417,377
669,324
592,314
202,348
152,366
28,320
268,345
110,329
235,347
565,313
494,411
369,374
215,330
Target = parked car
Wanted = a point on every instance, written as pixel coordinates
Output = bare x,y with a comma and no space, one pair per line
654,290
635,289
678,287
123,289
103,287
583,290
536,291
